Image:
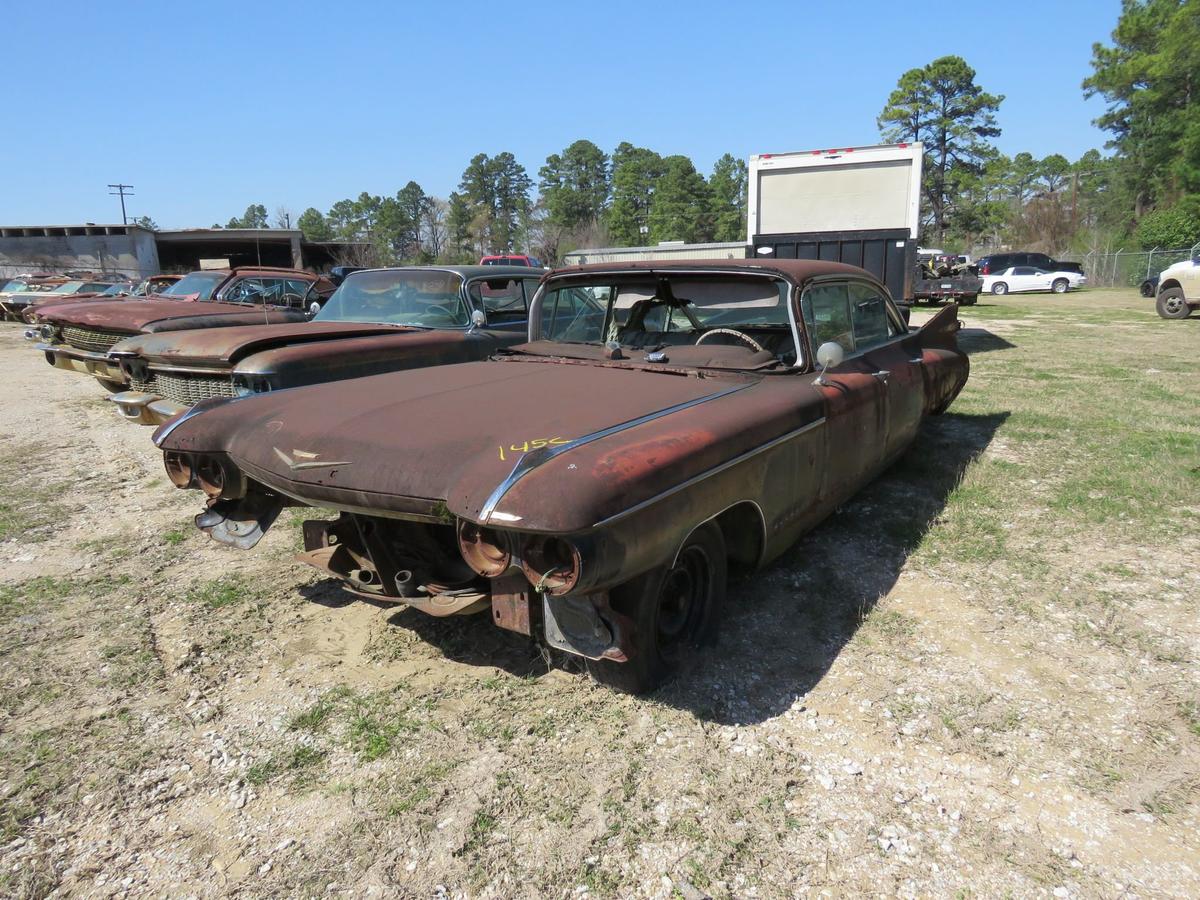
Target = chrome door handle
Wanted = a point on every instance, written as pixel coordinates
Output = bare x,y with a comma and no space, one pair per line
882,374
917,359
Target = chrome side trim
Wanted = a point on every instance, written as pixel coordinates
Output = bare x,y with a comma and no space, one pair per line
716,470
535,458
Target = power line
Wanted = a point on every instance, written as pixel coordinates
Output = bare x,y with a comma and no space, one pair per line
122,190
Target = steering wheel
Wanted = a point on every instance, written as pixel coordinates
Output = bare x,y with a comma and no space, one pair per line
745,338
438,308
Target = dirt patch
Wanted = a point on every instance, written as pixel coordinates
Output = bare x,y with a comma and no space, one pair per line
979,677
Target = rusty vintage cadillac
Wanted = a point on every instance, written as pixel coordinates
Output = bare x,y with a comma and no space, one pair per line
590,488
121,290
78,336
378,320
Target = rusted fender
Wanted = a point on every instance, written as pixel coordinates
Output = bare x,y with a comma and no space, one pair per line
226,346
132,316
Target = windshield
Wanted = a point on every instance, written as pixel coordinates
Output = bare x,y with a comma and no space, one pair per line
115,290
201,283
642,313
69,288
14,287
399,297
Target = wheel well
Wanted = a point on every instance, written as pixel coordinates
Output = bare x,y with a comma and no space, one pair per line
744,530
1167,285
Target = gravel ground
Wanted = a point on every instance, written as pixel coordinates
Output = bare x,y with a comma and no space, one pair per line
978,678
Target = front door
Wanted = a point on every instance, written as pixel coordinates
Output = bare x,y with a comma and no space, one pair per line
855,399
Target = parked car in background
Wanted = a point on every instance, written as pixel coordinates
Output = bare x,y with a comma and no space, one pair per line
1179,288
14,304
589,488
378,320
124,289
1021,279
511,259
78,336
1149,286
995,263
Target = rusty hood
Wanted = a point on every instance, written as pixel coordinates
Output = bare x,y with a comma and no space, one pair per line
226,346
455,435
132,316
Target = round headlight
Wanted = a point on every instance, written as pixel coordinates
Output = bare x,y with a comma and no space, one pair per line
210,475
48,332
179,468
550,563
483,549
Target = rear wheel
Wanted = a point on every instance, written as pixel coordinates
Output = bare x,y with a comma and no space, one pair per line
674,610
1172,304
969,299
1000,288
1060,285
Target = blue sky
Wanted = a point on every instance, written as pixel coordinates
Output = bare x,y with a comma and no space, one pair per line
208,107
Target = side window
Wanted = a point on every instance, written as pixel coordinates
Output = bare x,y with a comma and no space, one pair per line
574,314
244,290
826,309
868,309
501,298
1023,270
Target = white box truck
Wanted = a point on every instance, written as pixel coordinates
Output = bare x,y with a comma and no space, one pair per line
857,205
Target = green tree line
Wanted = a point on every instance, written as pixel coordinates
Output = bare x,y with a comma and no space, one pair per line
1147,190
585,197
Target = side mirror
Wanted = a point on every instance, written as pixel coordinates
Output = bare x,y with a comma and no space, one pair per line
829,356
478,319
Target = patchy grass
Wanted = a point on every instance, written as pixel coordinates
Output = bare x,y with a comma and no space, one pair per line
225,591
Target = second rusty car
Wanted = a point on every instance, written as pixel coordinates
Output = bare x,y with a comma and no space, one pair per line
590,488
77,336
378,320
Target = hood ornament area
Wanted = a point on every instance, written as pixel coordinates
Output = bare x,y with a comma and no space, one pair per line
304,459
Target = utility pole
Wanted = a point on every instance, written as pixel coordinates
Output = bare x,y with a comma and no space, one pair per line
123,191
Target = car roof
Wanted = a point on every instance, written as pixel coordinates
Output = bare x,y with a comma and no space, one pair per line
798,270
473,271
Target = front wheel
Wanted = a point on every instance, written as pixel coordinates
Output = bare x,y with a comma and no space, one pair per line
1060,285
1000,288
1172,304
674,609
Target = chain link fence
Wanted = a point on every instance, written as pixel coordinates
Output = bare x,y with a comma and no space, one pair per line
1125,268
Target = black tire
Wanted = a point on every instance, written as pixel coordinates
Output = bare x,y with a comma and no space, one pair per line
674,610
1146,289
1060,286
999,288
1171,304
969,299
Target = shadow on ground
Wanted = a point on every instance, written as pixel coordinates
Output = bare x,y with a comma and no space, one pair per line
980,340
787,624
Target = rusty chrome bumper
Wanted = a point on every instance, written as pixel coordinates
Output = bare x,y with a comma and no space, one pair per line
62,357
146,409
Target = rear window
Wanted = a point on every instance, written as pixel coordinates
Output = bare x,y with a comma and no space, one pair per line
201,283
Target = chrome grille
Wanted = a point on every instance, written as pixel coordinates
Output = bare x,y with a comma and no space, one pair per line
146,387
188,390
92,339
